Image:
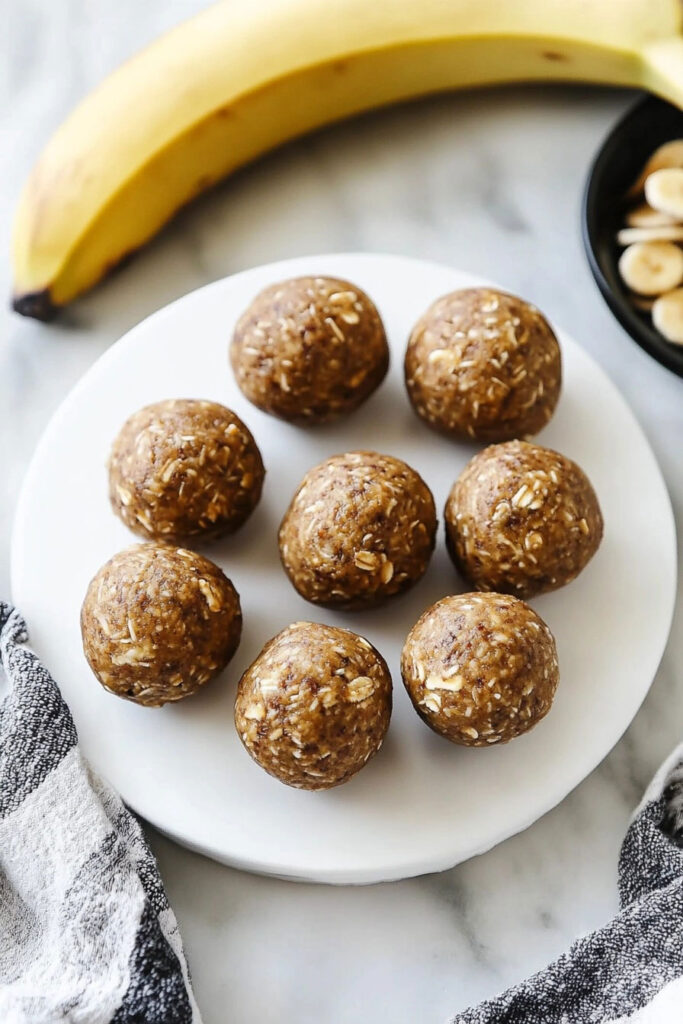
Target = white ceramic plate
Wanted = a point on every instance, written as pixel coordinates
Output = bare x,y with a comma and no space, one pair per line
422,804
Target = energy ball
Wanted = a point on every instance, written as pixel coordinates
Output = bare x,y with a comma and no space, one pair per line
158,622
483,364
480,668
184,468
309,349
360,529
522,520
315,705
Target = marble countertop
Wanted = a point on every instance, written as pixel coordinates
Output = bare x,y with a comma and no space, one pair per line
491,182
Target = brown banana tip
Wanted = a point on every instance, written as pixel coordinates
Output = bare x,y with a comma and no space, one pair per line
39,305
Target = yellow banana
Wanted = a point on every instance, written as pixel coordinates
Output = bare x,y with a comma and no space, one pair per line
242,77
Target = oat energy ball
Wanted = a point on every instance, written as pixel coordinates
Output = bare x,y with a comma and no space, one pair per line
483,364
522,519
184,468
360,529
309,349
480,668
158,622
315,705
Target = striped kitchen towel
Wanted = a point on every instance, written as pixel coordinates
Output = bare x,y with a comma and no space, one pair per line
86,933
630,971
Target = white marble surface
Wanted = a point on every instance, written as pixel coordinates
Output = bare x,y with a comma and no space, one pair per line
490,181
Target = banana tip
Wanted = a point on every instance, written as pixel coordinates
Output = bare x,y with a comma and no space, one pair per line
38,305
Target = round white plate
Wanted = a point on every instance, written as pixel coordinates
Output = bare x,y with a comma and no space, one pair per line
422,804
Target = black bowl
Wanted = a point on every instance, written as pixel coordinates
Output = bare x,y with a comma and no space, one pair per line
619,161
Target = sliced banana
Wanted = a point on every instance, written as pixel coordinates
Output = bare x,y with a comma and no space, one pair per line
651,268
667,315
644,216
668,155
664,191
643,302
666,233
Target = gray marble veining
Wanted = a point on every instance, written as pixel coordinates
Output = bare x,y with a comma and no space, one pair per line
491,182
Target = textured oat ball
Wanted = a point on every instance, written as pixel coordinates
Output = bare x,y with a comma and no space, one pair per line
315,705
158,622
480,668
483,364
360,529
309,349
522,519
184,468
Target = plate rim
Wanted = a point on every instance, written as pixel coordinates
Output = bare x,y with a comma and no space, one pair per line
411,866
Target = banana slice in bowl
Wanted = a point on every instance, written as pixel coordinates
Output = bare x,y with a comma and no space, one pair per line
664,191
644,216
621,223
669,154
652,268
667,315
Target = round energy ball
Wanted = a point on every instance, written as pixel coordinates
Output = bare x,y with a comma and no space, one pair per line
315,705
360,529
522,519
158,622
483,364
480,668
309,349
184,468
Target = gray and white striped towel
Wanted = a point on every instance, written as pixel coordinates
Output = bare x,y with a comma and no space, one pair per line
86,932
632,969
87,935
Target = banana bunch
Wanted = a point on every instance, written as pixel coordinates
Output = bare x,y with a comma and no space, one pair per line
243,77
